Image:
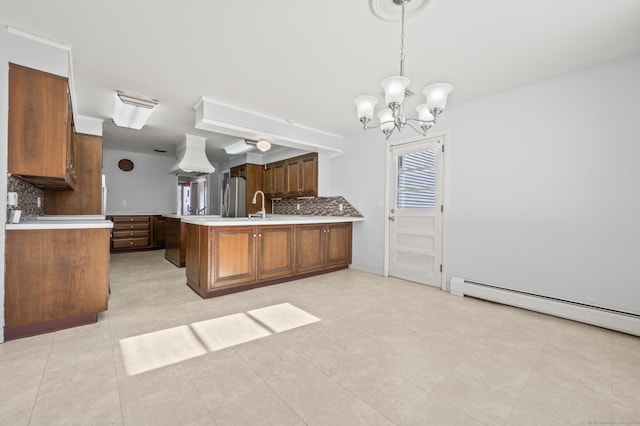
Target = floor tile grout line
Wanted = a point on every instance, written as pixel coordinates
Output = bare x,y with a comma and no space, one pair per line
258,375
44,370
115,371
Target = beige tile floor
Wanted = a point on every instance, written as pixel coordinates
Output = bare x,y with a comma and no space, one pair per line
385,352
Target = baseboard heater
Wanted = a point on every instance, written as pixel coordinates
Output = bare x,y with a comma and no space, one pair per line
625,322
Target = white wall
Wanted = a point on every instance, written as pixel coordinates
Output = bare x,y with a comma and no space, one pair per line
542,188
359,176
147,188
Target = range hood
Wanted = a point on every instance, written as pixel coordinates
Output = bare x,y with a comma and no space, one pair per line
192,159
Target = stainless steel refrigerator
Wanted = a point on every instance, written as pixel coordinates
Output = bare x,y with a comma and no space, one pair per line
234,200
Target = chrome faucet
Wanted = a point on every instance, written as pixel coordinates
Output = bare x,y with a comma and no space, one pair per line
262,213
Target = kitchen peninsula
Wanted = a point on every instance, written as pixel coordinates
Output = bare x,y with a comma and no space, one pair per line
226,255
57,273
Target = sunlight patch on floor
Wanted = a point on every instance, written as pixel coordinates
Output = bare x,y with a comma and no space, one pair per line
223,332
158,349
282,317
161,348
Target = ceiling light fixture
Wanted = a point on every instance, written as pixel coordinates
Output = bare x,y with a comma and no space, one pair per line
393,116
132,111
239,147
262,145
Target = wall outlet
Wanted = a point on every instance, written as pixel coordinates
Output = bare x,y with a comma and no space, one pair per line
298,206
124,202
340,207
39,202
12,199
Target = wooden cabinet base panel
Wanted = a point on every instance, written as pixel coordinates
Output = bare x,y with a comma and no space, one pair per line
243,287
12,333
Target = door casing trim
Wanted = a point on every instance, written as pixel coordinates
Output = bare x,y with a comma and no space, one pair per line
445,198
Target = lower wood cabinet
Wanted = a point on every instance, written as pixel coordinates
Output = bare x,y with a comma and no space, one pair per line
321,246
54,279
233,255
174,241
223,259
130,232
137,232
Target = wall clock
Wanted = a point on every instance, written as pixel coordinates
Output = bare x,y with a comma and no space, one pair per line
125,165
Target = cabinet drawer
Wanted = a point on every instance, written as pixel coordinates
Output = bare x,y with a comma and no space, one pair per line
130,242
130,225
130,234
117,219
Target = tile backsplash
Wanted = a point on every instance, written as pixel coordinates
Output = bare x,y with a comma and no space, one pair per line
27,197
322,206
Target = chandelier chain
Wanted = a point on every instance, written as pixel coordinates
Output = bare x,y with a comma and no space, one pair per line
402,42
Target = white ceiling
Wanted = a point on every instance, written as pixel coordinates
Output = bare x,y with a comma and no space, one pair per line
305,61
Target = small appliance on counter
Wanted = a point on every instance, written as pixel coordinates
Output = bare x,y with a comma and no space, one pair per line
14,216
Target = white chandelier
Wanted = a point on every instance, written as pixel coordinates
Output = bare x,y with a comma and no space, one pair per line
393,117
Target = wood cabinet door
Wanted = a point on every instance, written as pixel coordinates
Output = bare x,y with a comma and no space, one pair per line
294,182
267,180
172,241
238,171
87,197
279,179
232,255
38,127
308,166
254,183
275,251
337,244
52,274
158,237
197,255
309,247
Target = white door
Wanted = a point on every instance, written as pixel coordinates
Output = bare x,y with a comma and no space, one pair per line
415,211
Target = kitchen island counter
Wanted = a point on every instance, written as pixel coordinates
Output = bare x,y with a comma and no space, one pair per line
226,255
271,219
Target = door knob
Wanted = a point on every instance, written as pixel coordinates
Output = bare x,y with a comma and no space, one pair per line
391,218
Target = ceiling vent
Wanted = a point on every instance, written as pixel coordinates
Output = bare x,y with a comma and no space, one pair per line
192,158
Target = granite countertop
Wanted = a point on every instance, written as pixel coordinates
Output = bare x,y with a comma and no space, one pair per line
270,220
62,222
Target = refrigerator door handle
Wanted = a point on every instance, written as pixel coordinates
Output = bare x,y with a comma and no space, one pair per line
227,200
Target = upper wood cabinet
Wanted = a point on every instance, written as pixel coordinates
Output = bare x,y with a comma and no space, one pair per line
238,171
87,197
302,176
294,177
279,179
41,132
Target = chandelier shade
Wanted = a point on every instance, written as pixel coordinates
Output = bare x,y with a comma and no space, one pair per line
387,121
392,116
423,112
437,95
394,88
365,106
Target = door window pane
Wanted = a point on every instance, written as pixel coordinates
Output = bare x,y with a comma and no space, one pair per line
416,180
